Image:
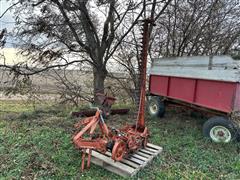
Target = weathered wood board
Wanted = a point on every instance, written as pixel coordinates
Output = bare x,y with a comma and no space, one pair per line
129,166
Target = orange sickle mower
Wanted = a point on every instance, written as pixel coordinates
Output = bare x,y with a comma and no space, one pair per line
120,142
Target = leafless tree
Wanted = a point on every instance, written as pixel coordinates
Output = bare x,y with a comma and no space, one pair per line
71,91
185,28
197,28
50,29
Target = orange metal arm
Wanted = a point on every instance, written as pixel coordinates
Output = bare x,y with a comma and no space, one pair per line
141,111
86,128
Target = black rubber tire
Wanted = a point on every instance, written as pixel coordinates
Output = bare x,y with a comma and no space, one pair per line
219,121
238,137
158,104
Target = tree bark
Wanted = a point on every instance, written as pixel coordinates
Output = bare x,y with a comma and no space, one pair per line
99,76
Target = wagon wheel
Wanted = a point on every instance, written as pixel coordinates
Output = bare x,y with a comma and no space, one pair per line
156,107
219,129
119,149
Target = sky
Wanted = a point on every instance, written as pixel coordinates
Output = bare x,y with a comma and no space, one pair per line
7,21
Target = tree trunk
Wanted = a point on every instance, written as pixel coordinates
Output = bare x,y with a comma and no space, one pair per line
137,90
99,77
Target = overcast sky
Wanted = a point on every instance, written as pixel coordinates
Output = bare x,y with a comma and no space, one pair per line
7,21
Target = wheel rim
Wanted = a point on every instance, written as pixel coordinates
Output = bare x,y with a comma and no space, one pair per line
220,134
153,108
118,151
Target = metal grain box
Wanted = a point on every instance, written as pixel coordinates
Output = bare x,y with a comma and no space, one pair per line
205,82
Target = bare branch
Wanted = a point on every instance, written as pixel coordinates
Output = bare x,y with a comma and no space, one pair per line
9,8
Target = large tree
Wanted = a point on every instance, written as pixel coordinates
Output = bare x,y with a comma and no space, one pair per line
49,30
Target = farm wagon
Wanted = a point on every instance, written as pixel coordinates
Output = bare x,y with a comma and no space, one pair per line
208,83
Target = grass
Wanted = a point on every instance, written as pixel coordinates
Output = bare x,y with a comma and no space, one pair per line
37,144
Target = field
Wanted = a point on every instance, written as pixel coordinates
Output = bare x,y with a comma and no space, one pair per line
36,144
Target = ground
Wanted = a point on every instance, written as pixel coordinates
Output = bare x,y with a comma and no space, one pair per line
36,143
